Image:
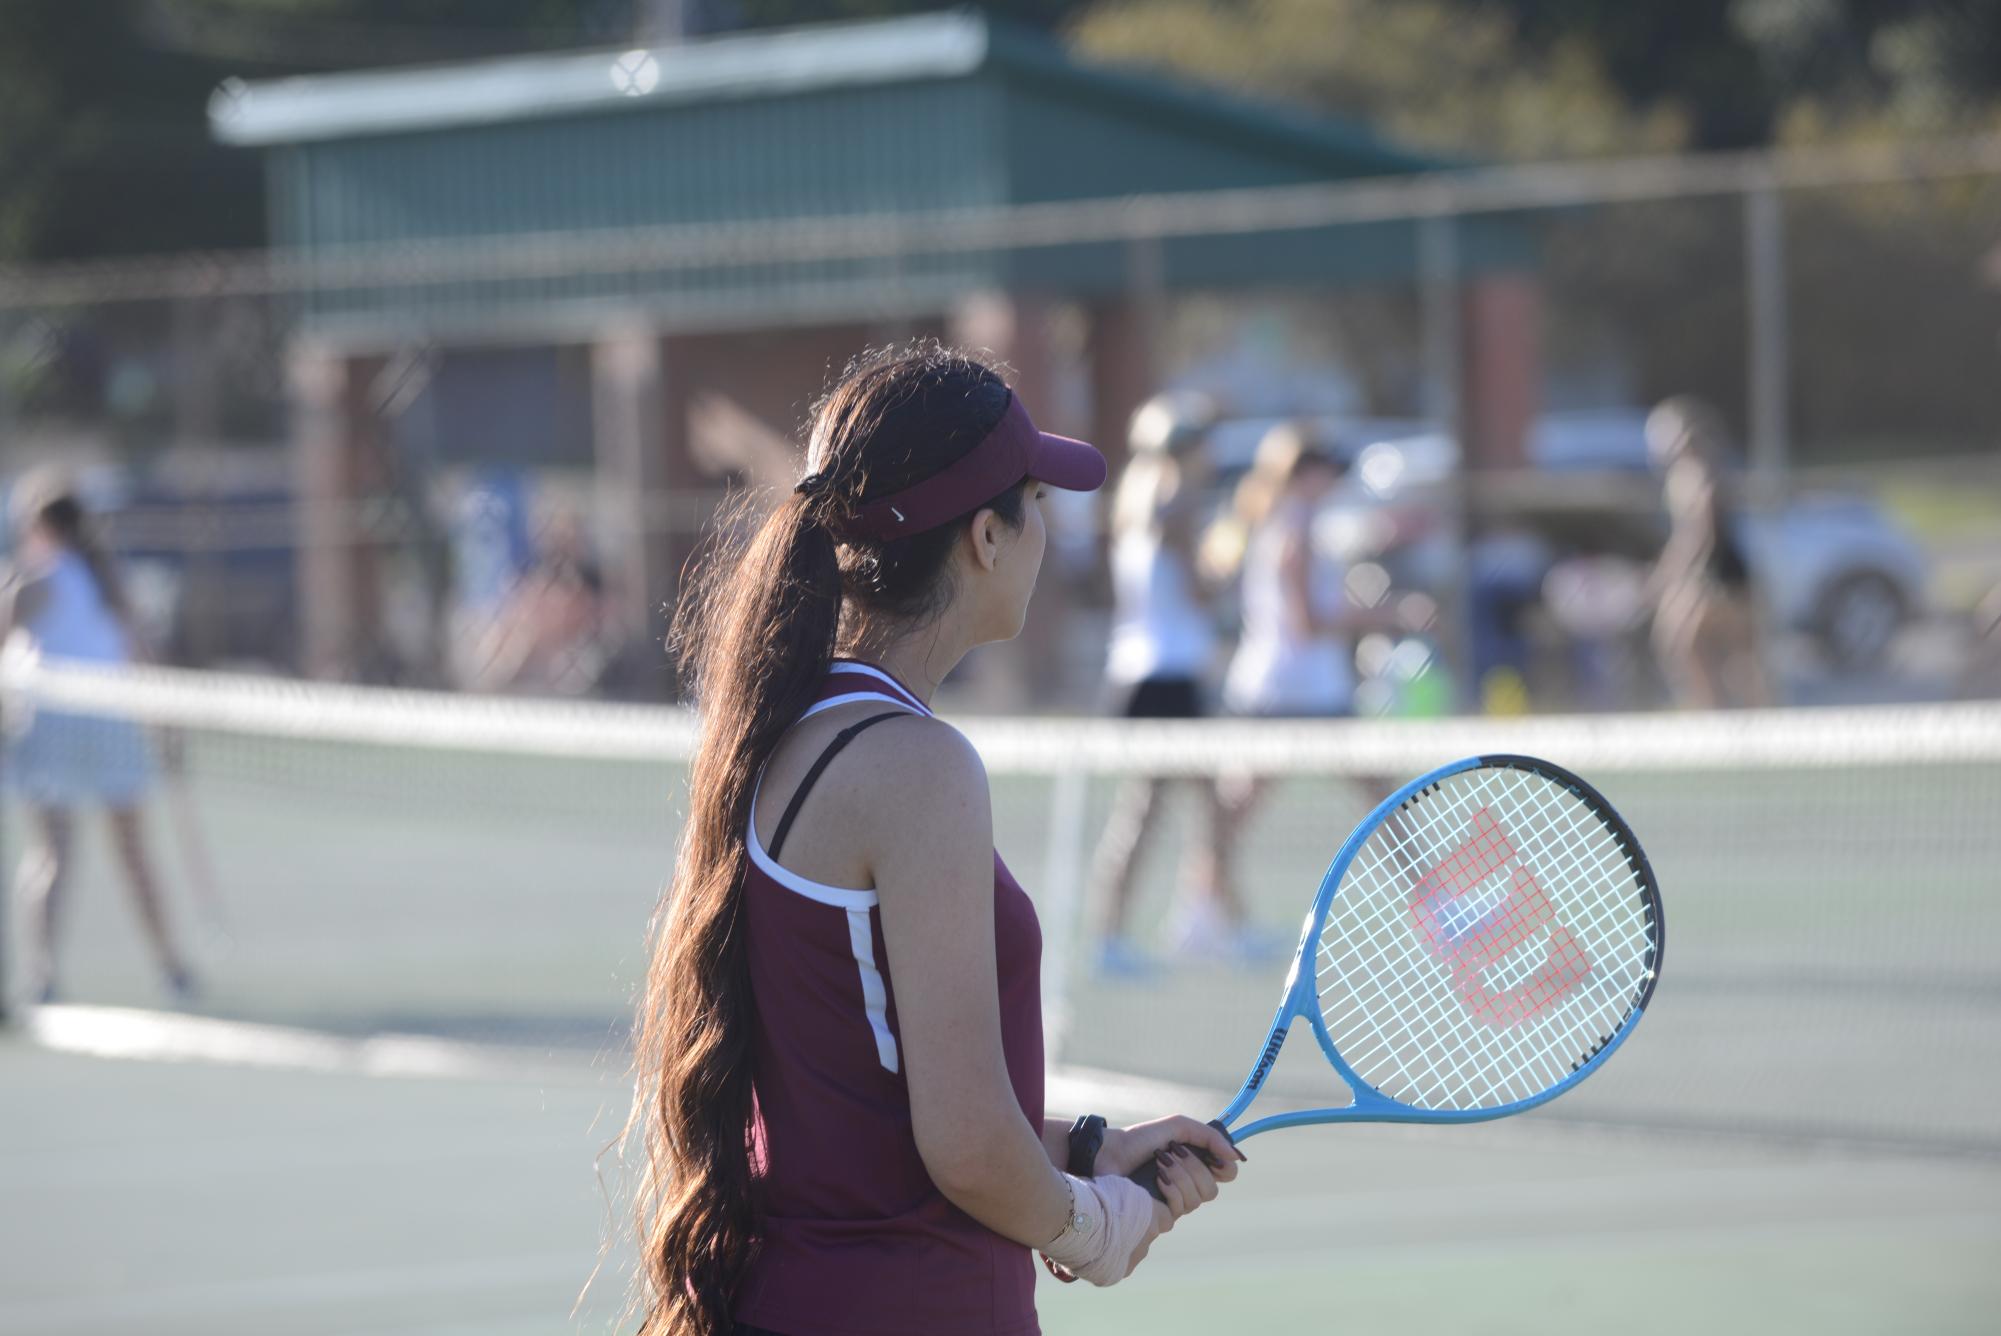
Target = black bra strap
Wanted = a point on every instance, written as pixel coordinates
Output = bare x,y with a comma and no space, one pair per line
841,739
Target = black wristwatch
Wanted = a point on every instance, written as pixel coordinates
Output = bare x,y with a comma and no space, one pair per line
1087,1138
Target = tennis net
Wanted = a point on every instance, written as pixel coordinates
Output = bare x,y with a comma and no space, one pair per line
476,870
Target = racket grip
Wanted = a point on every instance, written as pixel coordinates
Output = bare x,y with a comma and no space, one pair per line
1148,1174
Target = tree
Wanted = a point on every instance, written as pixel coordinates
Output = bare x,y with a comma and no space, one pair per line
104,140
1455,78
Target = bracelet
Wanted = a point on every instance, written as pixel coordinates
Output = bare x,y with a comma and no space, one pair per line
1069,1211
1072,1219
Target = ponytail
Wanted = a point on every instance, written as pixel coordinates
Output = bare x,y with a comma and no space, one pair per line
104,572
64,516
754,641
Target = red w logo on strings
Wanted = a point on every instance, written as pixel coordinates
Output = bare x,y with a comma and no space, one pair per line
1480,904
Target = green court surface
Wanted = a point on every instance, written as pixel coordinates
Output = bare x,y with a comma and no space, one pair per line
193,1197
1800,1136
1822,926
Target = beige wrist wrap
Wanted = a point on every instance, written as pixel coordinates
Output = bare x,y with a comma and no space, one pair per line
1109,1218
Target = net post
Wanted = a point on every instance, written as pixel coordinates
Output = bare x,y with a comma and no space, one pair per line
1441,276
1765,272
1062,868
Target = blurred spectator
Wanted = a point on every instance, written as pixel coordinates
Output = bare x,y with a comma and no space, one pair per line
1504,586
1982,677
1161,645
551,634
65,596
1295,654
1705,631
1597,602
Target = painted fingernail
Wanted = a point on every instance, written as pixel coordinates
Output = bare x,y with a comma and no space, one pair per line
1240,1155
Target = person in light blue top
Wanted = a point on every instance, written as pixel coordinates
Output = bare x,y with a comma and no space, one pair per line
65,596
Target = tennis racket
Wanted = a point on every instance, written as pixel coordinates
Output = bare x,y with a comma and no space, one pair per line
1482,942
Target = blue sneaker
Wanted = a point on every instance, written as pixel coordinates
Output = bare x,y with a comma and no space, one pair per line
1118,958
1252,945
181,987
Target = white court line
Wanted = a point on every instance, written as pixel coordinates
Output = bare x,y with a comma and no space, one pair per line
152,1036
165,1036
482,1277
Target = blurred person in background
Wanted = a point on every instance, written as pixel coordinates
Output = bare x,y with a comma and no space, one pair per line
550,635
64,594
1982,676
1598,604
1705,628
1162,641
1295,655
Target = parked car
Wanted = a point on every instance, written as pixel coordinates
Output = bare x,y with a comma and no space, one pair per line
1835,567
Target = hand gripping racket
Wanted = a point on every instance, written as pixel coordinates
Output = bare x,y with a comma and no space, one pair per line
1481,943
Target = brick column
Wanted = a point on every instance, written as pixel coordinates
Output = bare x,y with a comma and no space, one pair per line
1502,377
1123,374
334,432
629,416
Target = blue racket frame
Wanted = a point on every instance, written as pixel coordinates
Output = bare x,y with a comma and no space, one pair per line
1301,997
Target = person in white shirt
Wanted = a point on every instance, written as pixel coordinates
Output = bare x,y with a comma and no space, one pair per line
1162,644
1294,656
66,597
1295,653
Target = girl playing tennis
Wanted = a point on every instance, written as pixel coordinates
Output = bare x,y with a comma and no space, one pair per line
840,1051
66,596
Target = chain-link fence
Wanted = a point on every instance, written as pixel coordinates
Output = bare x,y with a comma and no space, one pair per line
506,502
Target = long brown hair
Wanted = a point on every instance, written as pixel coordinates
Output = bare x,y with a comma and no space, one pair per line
753,641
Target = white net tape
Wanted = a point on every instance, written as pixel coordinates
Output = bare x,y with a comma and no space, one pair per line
1607,743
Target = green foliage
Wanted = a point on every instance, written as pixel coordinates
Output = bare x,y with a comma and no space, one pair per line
1451,77
1565,77
774,13
103,142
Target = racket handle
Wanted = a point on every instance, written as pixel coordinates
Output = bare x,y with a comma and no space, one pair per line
1148,1174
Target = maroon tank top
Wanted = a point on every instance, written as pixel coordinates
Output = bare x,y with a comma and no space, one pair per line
857,1240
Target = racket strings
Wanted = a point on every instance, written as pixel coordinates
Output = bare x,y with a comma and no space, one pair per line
1486,1053
1560,937
1442,1068
1483,1063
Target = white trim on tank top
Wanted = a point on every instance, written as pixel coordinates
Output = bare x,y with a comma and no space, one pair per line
854,901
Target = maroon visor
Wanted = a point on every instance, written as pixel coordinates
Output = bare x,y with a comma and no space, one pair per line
1013,450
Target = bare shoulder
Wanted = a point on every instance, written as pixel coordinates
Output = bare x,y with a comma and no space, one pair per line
928,814
925,767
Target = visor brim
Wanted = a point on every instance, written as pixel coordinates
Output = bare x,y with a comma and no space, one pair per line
1072,465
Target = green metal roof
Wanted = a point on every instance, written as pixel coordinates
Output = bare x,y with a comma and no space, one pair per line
868,124
755,65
